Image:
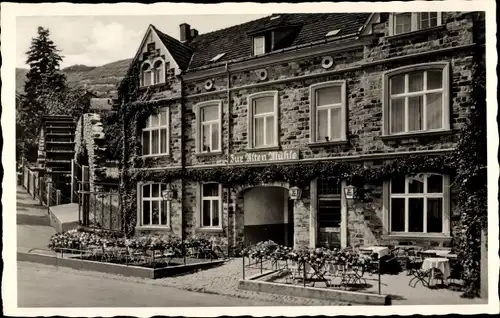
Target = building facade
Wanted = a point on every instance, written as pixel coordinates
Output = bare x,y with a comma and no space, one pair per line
298,90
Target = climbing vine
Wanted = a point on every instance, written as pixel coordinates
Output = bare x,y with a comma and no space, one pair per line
467,165
472,176
300,174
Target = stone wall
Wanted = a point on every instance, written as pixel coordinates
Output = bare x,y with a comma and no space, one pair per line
362,68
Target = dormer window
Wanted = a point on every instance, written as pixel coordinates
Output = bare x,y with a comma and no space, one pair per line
332,33
259,45
217,57
405,22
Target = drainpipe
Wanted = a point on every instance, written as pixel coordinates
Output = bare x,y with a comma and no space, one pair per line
228,95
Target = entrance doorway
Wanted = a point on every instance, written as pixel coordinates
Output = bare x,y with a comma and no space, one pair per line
329,213
268,215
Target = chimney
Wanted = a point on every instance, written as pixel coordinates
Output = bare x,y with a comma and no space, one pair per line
185,32
194,33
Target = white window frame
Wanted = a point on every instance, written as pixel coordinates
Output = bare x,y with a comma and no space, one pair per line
140,200
445,195
211,198
415,22
200,123
445,90
143,73
166,111
259,38
153,71
251,119
314,109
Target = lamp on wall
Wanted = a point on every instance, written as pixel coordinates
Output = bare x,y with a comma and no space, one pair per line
349,192
167,194
295,193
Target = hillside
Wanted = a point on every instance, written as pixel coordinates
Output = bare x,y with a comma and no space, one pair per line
101,80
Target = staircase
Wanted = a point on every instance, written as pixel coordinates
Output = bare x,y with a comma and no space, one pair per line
57,148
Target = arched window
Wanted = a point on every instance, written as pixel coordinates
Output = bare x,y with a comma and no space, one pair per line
146,75
158,74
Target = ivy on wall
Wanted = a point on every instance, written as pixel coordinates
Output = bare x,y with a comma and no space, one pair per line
300,174
467,165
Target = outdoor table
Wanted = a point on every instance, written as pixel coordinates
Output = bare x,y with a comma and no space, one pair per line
443,264
442,253
381,251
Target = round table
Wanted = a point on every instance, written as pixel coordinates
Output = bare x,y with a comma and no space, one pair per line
443,264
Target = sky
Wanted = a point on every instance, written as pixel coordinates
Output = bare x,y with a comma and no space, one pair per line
98,40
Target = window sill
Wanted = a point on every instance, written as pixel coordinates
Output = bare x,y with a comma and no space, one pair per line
414,33
328,143
164,228
208,154
270,148
208,230
441,132
152,86
154,156
417,236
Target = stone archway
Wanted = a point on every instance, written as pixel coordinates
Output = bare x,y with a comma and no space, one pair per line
264,212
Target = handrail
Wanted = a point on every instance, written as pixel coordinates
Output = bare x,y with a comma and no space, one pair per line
98,183
98,192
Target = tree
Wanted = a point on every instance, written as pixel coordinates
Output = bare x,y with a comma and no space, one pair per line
44,79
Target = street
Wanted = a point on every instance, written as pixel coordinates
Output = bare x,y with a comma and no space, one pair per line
47,286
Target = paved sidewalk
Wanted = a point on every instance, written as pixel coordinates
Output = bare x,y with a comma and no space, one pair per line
33,222
49,286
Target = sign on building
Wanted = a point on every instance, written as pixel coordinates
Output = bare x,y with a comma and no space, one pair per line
283,155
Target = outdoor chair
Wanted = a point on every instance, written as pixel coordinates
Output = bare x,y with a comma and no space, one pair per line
295,270
353,275
421,276
413,264
401,256
426,277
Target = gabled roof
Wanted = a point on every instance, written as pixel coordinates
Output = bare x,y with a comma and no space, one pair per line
236,41
179,51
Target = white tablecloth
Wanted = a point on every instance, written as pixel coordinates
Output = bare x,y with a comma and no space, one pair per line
442,264
381,251
442,253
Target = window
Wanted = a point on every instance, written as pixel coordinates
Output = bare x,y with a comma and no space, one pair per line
329,204
154,210
158,76
417,99
209,127
259,45
263,119
419,203
328,111
146,75
155,136
413,21
153,75
211,205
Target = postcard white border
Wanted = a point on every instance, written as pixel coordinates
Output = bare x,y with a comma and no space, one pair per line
9,12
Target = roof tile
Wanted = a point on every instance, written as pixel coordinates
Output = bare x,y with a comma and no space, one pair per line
236,41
